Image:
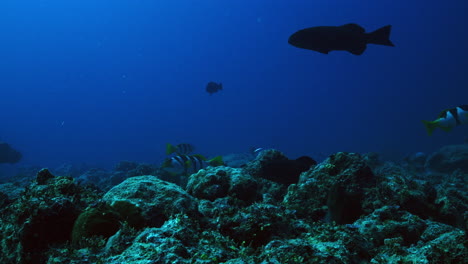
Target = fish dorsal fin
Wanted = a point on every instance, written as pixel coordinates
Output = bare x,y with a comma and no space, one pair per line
444,112
170,149
354,27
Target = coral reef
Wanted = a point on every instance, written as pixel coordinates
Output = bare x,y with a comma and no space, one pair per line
350,208
448,159
157,199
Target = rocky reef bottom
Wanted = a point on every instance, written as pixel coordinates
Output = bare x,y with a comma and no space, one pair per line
350,208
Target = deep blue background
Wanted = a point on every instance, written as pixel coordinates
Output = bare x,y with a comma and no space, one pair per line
100,81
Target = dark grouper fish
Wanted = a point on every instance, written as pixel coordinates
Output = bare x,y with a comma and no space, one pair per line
349,37
8,154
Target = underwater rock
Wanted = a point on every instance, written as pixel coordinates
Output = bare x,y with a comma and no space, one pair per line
71,170
178,240
100,220
217,182
257,224
395,186
275,166
416,161
157,199
333,191
126,165
106,179
104,220
372,159
237,160
164,249
24,175
98,177
399,237
11,191
443,200
449,159
3,199
389,222
321,243
345,197
452,202
43,176
43,217
384,216
255,167
132,169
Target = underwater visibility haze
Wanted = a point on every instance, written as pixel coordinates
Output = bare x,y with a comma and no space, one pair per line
103,81
299,131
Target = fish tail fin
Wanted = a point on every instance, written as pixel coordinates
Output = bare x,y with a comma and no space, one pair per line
216,161
381,36
170,149
430,126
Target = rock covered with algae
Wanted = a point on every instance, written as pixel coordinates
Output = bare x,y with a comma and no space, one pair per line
350,208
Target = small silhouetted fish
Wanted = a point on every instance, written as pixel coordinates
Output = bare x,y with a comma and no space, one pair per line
349,37
256,150
213,87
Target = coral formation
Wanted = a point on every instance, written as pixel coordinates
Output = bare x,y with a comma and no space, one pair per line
350,208
448,159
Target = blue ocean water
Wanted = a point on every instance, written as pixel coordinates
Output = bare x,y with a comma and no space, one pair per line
103,81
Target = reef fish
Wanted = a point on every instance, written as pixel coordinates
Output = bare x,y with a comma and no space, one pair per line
189,164
448,119
213,87
179,149
349,37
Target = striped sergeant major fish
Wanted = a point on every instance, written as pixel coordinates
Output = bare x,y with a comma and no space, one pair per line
448,119
179,149
189,164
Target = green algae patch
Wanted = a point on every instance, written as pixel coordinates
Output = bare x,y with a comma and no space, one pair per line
100,221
